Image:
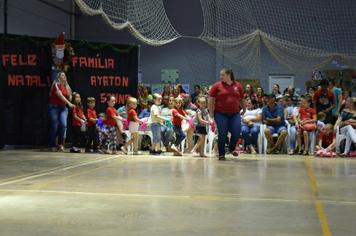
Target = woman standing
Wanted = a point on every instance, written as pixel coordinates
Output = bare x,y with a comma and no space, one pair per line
60,95
224,100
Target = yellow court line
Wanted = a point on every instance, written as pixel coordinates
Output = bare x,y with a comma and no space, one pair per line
8,163
43,171
81,173
319,206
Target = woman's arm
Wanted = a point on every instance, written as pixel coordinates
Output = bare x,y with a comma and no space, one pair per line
258,118
243,105
211,104
64,99
339,98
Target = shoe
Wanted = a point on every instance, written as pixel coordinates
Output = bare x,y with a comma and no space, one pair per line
160,153
174,148
74,150
105,151
215,153
300,152
60,148
234,153
306,153
353,154
137,153
202,155
96,151
124,150
164,149
152,152
222,159
291,152
53,149
88,151
177,154
194,152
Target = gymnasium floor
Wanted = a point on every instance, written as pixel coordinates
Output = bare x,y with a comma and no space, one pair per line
43,193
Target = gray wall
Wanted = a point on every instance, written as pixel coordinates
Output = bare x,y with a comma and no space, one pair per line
197,61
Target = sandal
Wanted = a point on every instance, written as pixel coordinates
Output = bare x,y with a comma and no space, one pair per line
306,153
291,152
61,148
300,152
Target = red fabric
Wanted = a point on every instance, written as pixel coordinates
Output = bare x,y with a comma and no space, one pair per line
110,112
327,140
55,100
79,112
260,99
130,116
227,97
329,92
306,114
176,120
91,113
251,96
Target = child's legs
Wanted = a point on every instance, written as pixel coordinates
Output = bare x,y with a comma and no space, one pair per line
299,140
156,136
111,131
180,135
76,136
306,140
134,140
201,142
92,133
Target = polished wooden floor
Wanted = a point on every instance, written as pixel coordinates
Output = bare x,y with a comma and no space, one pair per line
44,193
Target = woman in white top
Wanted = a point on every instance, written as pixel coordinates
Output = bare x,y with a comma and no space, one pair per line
250,123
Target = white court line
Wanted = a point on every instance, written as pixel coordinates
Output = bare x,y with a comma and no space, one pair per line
51,172
278,200
99,194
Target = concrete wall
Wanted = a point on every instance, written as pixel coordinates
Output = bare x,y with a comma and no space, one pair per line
197,61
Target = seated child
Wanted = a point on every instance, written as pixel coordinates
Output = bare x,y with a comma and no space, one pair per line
327,139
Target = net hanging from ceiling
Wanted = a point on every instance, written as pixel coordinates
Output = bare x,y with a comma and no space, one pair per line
302,35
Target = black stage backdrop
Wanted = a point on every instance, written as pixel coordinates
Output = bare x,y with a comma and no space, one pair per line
26,75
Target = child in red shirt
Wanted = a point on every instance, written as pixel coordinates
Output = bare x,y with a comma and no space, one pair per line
134,121
178,115
78,119
92,131
306,123
327,139
111,117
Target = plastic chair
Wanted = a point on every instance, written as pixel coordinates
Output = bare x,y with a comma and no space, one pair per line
339,137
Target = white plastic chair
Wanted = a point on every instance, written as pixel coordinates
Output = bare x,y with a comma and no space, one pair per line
259,140
339,137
